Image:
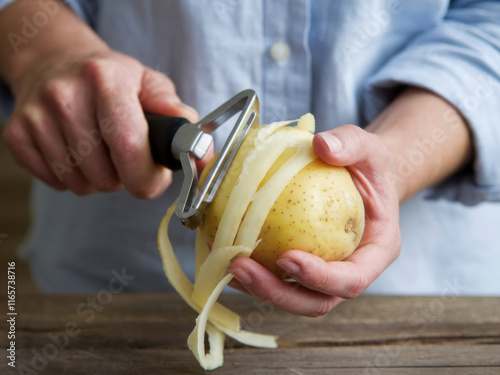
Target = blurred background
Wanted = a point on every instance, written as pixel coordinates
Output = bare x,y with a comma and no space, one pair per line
15,185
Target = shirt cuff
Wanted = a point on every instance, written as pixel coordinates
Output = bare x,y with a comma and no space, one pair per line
450,63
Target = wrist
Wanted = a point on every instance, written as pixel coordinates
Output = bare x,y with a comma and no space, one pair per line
397,171
63,37
44,61
426,147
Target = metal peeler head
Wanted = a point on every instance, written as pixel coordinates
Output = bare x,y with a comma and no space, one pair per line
194,140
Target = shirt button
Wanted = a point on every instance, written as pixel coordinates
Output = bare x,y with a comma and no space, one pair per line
280,51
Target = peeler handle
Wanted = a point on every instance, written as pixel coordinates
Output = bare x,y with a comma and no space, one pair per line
161,134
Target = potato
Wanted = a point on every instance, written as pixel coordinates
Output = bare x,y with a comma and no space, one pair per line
277,195
319,211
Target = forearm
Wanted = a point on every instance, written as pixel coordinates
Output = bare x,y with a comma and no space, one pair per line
26,43
428,138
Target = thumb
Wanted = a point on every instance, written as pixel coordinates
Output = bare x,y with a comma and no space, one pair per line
347,145
158,96
201,164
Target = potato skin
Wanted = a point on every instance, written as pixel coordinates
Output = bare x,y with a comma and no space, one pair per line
320,211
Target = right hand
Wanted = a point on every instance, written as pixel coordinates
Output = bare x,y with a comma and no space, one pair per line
78,122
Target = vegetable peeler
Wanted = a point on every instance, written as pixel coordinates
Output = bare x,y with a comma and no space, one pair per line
176,143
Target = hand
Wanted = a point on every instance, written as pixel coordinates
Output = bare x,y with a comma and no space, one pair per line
320,285
78,122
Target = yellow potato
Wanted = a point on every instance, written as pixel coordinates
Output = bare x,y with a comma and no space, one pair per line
320,211
277,195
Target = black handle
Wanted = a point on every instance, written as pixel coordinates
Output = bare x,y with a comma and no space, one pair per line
161,133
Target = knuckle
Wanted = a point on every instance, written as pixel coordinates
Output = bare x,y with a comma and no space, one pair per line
156,81
100,72
356,287
315,275
151,186
35,118
14,136
127,145
322,281
82,190
358,136
107,183
353,128
145,192
322,307
355,136
59,91
277,297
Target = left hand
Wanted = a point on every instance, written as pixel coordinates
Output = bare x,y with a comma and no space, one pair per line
321,285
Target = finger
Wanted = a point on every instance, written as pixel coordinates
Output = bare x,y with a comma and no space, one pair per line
26,154
292,297
63,163
235,284
158,96
363,153
125,131
346,279
347,145
201,164
79,127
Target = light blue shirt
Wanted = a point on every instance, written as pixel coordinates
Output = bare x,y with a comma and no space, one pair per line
342,60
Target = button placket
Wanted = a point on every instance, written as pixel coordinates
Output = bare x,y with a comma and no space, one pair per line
280,51
286,64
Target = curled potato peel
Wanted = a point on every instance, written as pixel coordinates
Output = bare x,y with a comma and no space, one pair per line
276,195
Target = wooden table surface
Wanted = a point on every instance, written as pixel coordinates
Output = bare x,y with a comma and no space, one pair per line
147,333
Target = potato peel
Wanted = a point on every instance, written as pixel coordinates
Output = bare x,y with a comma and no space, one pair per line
220,315
248,203
264,199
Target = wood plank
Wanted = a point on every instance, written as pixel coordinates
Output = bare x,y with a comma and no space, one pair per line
147,333
250,361
364,309
362,321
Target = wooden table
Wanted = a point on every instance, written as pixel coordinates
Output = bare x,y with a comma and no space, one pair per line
146,334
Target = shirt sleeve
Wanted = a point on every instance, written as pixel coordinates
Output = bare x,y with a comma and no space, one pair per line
85,9
4,3
460,61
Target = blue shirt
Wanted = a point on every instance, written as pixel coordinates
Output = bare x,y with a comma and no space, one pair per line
344,61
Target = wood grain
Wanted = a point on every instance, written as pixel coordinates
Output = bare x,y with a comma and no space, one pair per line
147,333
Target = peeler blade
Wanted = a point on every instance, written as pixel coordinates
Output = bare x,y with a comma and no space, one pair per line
191,205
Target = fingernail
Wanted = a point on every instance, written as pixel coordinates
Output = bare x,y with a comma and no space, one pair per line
333,143
242,276
291,267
